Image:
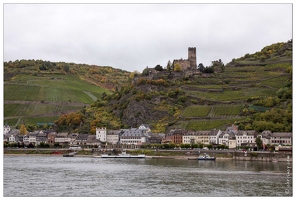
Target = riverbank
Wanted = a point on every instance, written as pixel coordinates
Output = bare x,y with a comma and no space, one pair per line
242,156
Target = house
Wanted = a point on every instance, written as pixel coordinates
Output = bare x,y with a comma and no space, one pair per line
145,128
231,141
202,137
11,139
81,139
223,138
265,137
228,138
214,136
72,138
41,137
101,134
281,138
133,136
156,138
92,141
113,136
51,137
189,138
26,140
32,137
245,137
175,136
6,129
62,138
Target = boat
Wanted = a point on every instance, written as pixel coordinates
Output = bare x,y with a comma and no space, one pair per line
69,154
206,157
123,154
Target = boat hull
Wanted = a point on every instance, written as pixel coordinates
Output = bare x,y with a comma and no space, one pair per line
206,158
125,156
67,155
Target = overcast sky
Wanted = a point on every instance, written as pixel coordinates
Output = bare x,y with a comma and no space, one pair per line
133,36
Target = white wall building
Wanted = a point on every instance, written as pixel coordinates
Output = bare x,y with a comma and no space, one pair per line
192,137
11,139
281,138
132,136
101,134
214,136
245,137
6,129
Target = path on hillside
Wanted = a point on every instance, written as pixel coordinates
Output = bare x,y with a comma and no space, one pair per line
91,95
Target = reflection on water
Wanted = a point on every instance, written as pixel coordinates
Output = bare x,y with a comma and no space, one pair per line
85,176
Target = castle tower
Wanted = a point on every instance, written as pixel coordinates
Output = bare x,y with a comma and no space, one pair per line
192,57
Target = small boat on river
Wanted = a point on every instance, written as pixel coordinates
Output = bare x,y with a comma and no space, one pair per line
69,154
123,154
206,157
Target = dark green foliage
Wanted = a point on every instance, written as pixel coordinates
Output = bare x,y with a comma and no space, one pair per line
259,143
158,68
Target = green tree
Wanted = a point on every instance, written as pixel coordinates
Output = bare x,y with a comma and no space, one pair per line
158,68
169,66
259,143
201,67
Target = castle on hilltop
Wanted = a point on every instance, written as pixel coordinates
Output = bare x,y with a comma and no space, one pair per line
187,64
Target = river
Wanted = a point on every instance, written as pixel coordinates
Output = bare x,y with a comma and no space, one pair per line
56,176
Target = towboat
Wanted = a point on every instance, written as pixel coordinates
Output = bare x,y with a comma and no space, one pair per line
123,154
206,157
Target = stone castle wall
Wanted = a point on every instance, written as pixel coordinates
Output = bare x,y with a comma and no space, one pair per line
184,64
190,63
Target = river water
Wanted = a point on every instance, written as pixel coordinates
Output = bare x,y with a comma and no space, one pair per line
55,176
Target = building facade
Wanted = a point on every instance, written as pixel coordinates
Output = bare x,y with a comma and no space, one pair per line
101,134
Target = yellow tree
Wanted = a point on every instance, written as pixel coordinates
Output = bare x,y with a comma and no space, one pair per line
177,68
23,130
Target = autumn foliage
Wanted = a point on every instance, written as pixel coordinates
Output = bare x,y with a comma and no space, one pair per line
73,120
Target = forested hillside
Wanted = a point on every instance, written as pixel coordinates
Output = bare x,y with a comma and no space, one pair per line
253,93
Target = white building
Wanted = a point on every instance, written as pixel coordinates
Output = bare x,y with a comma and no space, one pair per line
245,137
6,129
133,136
281,138
32,137
11,139
101,134
224,138
62,138
145,128
192,137
214,136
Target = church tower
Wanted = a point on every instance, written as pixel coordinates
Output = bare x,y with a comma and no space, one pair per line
192,57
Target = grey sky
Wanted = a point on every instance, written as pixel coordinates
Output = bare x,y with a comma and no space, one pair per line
133,36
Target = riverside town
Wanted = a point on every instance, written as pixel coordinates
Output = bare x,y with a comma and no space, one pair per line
230,140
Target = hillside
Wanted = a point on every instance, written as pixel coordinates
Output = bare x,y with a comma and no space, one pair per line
244,92
37,91
254,92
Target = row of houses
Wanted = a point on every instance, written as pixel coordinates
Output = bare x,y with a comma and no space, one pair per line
132,136
231,137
